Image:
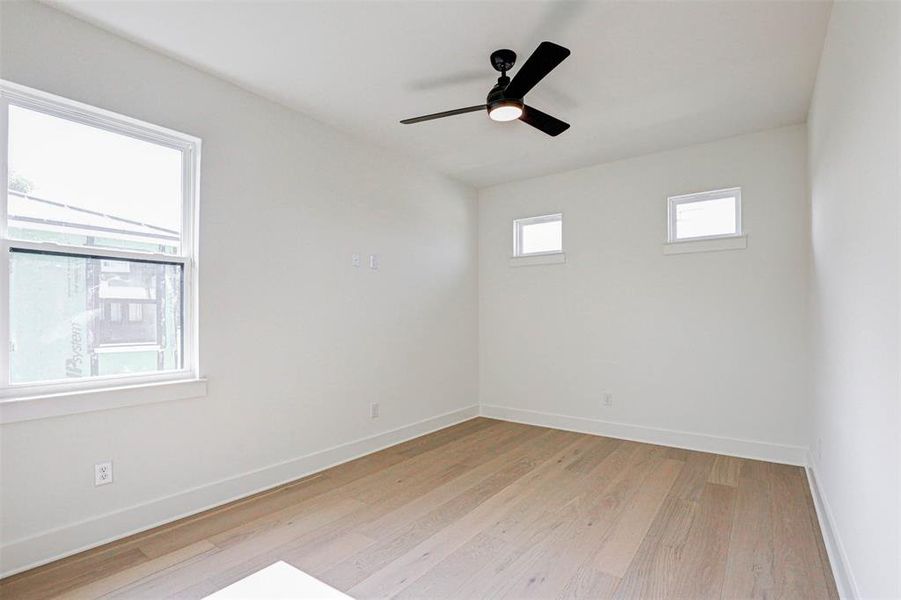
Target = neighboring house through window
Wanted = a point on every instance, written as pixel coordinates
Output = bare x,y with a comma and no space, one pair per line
97,231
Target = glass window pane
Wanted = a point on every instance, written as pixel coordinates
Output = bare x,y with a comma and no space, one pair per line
81,185
705,218
76,317
542,237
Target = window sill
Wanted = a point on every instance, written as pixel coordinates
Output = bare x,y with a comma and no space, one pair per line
738,242
554,258
82,401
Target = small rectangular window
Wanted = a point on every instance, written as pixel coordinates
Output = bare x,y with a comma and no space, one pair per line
538,235
97,247
705,215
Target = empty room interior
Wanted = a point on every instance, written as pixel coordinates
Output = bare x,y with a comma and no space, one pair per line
450,299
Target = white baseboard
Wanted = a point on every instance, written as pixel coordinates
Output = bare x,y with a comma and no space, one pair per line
779,453
838,559
20,555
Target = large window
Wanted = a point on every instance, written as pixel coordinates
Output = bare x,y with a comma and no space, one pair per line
98,260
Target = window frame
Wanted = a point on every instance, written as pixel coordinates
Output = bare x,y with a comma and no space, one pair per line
190,146
518,225
673,201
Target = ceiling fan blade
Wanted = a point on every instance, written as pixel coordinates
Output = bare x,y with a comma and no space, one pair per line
447,113
543,121
545,58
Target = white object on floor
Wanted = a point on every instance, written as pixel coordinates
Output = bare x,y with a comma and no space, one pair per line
278,580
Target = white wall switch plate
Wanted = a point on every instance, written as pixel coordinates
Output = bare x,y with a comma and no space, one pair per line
103,473
355,260
374,262
374,410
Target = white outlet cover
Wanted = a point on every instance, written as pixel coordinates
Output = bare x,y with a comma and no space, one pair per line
355,259
374,410
103,473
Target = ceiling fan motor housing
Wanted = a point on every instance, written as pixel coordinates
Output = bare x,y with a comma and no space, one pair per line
503,60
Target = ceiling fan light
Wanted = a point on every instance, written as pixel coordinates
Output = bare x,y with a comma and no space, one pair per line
505,112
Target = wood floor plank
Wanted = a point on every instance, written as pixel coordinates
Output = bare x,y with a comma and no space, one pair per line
445,579
622,540
393,482
797,570
703,565
678,454
388,496
394,505
310,559
483,509
521,525
694,477
749,569
593,456
426,537
755,469
443,437
318,558
50,582
556,488
339,527
519,567
726,470
390,524
173,580
193,529
428,553
120,579
650,574
589,582
410,565
543,570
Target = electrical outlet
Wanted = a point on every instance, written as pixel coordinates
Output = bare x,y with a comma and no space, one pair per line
103,473
374,410
355,260
607,399
374,262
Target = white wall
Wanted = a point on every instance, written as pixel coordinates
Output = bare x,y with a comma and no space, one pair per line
294,341
855,183
712,345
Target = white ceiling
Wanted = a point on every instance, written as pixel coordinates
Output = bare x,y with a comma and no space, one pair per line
642,77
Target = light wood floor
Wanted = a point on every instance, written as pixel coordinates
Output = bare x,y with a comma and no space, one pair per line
488,509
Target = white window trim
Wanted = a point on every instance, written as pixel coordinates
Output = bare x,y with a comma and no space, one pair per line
533,260
75,402
13,396
674,201
735,242
517,234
